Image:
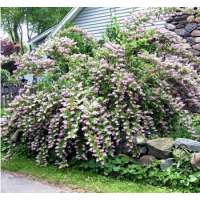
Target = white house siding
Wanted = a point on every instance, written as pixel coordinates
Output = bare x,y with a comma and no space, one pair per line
96,19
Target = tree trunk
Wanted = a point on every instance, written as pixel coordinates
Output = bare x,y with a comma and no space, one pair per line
11,35
10,31
28,34
15,31
21,38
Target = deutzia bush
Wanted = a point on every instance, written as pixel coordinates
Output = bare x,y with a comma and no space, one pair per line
94,100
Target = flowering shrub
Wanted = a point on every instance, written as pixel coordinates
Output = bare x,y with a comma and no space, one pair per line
86,43
8,57
7,47
8,61
93,101
55,53
5,76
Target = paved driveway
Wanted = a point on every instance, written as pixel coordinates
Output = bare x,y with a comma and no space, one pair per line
11,182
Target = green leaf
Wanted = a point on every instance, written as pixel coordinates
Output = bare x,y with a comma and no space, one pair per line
193,178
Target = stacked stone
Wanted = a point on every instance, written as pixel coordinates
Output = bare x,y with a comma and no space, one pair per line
187,26
168,151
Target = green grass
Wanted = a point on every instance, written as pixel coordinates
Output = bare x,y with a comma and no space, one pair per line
76,179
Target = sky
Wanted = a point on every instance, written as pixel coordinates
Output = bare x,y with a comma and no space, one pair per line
3,34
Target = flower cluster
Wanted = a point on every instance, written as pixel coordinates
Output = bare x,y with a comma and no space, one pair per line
7,59
55,52
7,47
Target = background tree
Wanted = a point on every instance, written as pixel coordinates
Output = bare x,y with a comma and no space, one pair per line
12,18
41,19
36,20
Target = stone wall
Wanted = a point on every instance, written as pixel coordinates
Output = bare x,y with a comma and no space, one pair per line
188,27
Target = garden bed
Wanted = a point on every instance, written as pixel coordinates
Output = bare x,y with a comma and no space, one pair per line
124,108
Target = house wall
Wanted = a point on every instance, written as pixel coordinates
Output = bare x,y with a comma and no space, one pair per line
96,19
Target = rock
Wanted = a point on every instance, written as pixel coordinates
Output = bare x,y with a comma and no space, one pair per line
179,26
160,147
195,52
169,20
197,19
190,18
195,160
182,32
142,150
184,22
146,160
170,27
15,136
190,27
195,33
190,40
173,22
181,17
140,139
191,145
183,45
196,39
196,46
166,163
186,46
124,149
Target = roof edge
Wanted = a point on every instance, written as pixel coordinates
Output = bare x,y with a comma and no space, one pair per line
53,30
40,36
68,18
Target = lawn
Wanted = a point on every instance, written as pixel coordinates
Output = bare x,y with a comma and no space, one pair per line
76,179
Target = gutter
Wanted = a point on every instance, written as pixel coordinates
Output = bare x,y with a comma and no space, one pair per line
53,30
68,18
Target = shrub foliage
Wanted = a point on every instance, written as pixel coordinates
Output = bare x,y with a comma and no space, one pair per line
180,176
92,100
